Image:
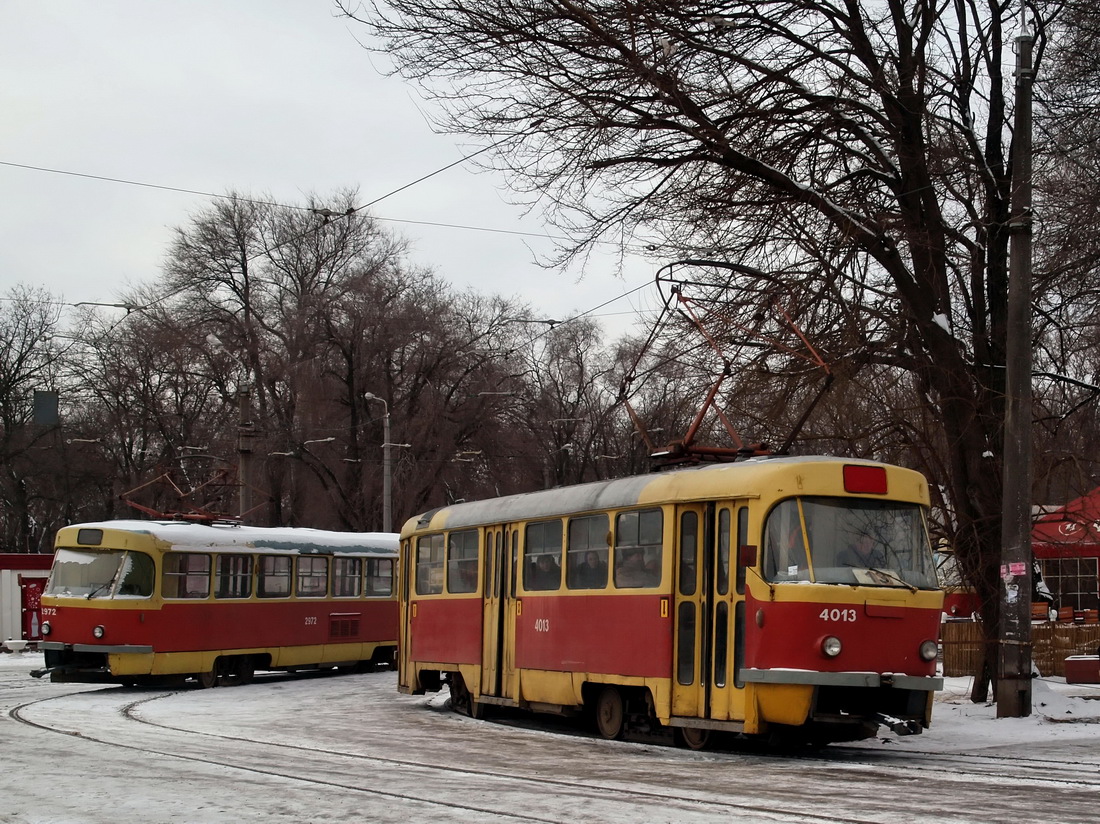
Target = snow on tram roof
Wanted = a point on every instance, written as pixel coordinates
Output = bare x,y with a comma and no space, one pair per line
188,535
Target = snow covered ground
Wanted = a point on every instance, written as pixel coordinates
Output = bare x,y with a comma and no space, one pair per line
350,748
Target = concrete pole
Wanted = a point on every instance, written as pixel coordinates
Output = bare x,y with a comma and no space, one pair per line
387,474
1014,632
245,429
387,464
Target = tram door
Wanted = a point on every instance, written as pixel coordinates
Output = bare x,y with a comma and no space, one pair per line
404,600
493,618
706,611
499,616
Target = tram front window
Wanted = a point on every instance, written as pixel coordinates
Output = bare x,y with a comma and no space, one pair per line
101,574
848,541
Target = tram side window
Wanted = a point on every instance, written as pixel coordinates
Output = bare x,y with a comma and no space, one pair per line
586,557
379,577
274,578
347,577
312,577
186,575
462,561
233,576
542,556
638,542
784,548
429,564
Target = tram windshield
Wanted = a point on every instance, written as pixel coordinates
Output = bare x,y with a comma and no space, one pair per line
79,573
848,541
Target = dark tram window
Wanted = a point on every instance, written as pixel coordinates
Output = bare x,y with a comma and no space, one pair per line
379,577
186,575
721,642
429,564
274,576
689,552
233,576
638,542
586,557
685,643
542,556
462,561
723,571
742,540
347,577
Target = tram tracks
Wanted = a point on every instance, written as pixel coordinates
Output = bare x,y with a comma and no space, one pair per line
1016,767
427,784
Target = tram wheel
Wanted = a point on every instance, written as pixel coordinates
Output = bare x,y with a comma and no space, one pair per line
238,672
207,680
609,713
691,738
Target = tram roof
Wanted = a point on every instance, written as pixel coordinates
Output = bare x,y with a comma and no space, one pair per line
189,536
742,479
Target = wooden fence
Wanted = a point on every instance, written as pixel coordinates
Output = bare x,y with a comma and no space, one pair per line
1051,644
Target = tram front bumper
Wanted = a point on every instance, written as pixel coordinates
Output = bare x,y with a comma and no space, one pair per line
871,680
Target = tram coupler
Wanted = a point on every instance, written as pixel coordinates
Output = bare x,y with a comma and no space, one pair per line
898,725
58,673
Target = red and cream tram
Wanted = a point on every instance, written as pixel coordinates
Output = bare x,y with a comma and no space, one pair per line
786,597
144,602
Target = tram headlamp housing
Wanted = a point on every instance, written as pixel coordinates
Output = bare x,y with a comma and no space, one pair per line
46,629
929,650
98,631
830,647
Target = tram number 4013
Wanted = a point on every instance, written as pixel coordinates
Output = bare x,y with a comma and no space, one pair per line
542,625
843,615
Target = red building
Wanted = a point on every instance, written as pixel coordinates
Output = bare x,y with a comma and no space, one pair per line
22,579
1066,543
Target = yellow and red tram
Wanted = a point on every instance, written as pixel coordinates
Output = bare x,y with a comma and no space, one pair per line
149,602
786,597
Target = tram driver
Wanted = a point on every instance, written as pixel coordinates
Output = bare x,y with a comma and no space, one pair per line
863,552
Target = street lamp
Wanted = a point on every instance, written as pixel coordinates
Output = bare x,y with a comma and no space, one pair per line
387,464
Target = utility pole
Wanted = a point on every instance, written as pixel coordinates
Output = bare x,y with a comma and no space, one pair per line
1014,632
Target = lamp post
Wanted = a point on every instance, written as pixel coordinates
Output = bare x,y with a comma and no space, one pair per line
387,465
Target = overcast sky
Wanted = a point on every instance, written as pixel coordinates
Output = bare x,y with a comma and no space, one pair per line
264,97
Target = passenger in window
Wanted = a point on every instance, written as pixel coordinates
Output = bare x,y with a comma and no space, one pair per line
593,572
546,573
631,571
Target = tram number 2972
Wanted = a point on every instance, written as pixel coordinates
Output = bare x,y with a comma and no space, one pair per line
542,625
844,615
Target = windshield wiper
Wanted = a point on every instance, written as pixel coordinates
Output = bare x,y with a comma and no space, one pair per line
102,587
894,577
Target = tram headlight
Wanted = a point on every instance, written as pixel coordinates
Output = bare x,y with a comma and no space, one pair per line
98,631
929,650
830,647
46,629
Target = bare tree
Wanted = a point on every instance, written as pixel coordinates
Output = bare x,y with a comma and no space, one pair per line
31,485
854,157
